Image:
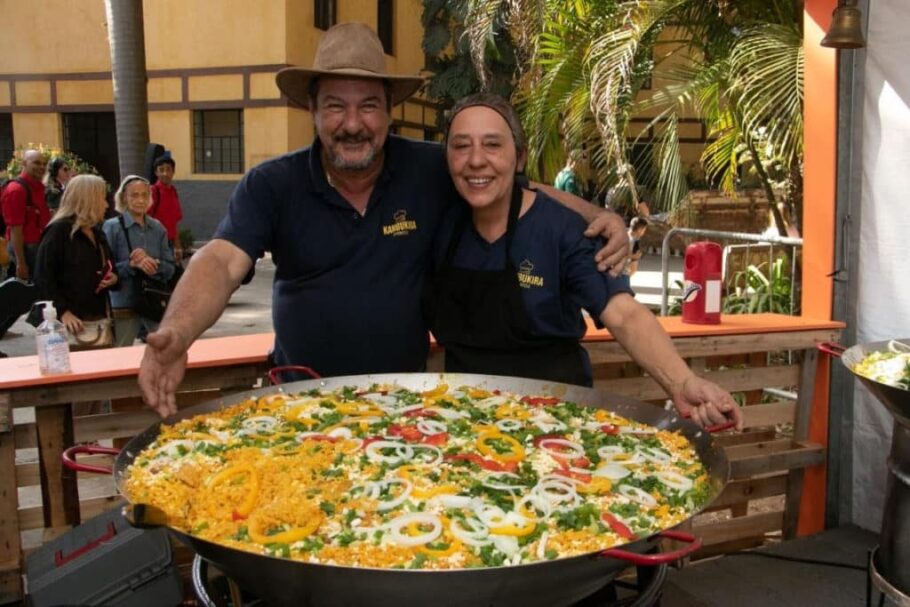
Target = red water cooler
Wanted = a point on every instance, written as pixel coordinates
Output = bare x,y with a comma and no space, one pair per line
702,284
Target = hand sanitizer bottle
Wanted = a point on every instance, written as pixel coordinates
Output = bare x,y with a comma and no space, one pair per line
53,349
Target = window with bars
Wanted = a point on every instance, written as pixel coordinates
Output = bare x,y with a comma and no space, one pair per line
7,145
385,25
325,14
218,141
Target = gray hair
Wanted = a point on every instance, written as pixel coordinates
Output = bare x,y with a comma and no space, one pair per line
120,201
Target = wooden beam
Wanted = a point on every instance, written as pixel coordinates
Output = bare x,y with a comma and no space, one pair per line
33,518
10,543
769,414
801,433
606,352
754,435
755,525
214,378
734,380
29,475
744,490
763,458
59,492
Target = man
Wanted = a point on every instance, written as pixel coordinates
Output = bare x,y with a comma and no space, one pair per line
165,205
567,178
349,222
25,212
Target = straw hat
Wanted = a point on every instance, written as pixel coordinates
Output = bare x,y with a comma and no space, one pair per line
347,50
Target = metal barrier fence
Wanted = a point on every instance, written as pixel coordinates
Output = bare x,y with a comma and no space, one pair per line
770,241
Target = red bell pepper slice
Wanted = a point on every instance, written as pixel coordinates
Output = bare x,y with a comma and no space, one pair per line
440,438
421,413
236,516
618,527
486,464
408,433
542,437
579,476
540,401
610,429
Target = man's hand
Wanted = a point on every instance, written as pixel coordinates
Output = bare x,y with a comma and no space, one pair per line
706,403
162,368
22,272
610,226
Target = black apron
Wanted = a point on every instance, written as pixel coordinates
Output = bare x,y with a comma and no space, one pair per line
480,318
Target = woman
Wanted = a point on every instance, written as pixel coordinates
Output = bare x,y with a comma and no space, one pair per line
140,249
73,267
514,272
55,180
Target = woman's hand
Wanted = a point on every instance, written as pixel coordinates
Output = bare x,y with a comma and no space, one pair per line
72,322
143,261
108,281
706,403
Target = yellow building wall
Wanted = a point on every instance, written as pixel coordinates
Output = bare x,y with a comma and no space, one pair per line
80,92
165,90
216,88
33,93
205,33
174,130
54,36
301,130
37,128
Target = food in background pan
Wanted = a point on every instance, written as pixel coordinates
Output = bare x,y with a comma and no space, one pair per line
443,479
891,367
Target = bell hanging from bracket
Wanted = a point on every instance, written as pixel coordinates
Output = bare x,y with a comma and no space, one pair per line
846,31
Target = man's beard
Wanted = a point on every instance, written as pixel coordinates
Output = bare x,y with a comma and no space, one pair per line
343,164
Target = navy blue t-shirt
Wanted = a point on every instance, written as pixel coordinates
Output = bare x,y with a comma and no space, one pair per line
555,264
347,291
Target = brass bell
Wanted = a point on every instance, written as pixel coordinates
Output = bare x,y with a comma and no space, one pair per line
846,31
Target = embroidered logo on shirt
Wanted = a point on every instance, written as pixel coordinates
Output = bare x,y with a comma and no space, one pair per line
526,276
402,225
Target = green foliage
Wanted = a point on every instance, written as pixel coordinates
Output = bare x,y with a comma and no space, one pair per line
755,292
185,236
14,166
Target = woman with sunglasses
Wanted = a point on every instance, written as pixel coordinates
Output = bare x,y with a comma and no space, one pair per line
73,267
514,271
139,243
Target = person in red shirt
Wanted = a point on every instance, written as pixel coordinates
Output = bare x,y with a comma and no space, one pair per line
165,202
25,212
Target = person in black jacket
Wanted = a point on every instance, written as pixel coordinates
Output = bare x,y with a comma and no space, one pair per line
74,259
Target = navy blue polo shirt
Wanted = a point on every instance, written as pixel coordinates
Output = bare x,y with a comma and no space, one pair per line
347,290
555,264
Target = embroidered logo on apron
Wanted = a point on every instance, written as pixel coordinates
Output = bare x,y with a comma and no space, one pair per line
526,276
402,226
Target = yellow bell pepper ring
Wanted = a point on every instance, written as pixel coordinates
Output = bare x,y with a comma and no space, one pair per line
284,537
249,501
516,452
515,530
437,391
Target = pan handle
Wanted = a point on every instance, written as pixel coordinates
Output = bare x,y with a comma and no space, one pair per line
716,427
648,560
275,377
831,348
69,458
145,516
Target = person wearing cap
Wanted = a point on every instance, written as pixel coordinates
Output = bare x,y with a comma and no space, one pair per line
513,273
165,205
350,222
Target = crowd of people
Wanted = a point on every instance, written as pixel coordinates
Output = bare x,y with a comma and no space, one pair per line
69,248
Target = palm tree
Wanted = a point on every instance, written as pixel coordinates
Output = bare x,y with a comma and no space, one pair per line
582,65
127,41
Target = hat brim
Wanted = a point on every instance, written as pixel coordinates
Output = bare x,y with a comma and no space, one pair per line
294,82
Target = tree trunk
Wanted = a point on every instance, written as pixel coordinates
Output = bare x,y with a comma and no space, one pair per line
127,40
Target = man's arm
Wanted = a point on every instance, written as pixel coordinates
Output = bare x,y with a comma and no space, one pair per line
601,222
213,274
638,331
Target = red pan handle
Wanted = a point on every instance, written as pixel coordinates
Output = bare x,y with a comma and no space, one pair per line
716,427
274,372
69,458
831,348
658,559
